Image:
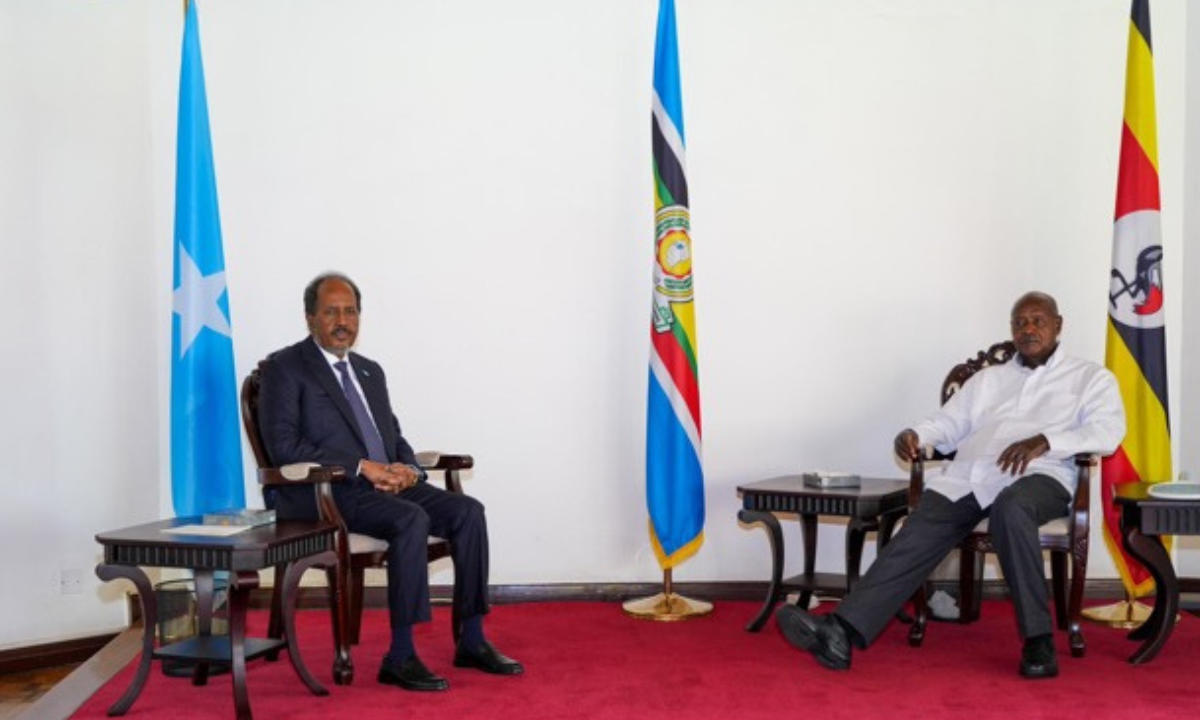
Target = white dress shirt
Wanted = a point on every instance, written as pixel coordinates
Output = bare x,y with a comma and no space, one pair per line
1074,403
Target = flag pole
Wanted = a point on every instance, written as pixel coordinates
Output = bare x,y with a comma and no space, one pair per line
666,606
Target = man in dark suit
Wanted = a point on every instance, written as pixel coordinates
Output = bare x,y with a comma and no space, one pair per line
312,409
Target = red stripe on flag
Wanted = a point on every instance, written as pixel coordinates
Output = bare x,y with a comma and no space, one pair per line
1137,181
675,361
1114,470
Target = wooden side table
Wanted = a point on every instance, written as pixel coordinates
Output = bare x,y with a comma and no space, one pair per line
1144,520
297,545
875,505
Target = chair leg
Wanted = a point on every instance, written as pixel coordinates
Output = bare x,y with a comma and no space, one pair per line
343,665
971,563
977,597
356,589
1058,581
967,585
916,633
1075,604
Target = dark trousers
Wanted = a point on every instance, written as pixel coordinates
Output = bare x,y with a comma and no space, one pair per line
406,521
936,527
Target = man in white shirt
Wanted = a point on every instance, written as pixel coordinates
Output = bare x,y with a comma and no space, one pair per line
1016,428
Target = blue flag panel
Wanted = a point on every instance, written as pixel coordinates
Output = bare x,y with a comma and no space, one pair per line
206,450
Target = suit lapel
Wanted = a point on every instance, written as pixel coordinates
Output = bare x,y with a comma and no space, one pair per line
327,378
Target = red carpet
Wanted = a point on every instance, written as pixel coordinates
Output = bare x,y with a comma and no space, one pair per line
587,660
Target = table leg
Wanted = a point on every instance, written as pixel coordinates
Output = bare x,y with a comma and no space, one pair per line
275,623
291,583
238,596
1150,552
203,581
149,622
856,535
808,531
775,536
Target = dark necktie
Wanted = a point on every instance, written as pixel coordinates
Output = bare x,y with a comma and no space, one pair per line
370,434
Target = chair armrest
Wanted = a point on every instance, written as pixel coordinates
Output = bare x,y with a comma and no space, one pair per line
287,475
321,478
916,481
1080,504
430,460
452,465
916,477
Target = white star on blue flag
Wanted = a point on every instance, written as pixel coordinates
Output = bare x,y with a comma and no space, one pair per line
197,302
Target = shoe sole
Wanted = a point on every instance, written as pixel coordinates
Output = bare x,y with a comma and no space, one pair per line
796,629
382,680
831,664
800,630
1039,675
411,688
485,668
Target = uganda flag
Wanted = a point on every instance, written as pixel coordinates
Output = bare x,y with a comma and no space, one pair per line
1135,348
674,477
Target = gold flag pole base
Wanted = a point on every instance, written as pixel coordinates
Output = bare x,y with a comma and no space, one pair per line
1124,615
667,606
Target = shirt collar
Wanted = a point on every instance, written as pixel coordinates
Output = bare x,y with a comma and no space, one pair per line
330,357
1054,359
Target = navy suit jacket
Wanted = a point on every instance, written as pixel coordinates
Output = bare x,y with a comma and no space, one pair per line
304,417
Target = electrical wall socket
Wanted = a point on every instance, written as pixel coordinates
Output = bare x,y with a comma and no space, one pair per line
70,582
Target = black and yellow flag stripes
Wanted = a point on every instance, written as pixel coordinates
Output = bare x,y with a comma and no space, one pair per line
1136,348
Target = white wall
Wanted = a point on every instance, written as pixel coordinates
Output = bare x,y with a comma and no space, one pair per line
872,184
1188,395
80,275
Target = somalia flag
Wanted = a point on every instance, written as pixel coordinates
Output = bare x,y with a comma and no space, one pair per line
674,476
206,450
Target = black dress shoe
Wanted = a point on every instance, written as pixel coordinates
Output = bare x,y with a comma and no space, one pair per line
488,659
821,635
411,675
1038,659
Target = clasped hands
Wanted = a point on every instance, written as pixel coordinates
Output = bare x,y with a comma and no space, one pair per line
1013,460
389,478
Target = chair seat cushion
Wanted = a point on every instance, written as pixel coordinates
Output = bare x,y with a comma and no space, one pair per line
361,544
1057,526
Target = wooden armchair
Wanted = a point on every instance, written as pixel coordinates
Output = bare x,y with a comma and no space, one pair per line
1065,538
355,552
